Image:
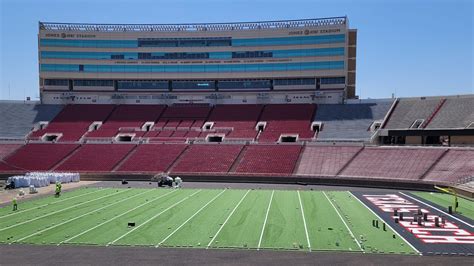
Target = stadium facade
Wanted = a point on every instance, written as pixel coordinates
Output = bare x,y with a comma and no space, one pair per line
292,61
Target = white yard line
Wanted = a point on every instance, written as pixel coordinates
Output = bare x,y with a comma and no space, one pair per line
342,219
363,204
185,222
454,217
156,215
304,221
118,216
45,205
78,217
222,226
265,222
58,211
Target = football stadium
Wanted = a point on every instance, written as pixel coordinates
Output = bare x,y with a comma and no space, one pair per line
231,142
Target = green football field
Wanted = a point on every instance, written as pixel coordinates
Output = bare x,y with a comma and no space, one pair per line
201,218
466,207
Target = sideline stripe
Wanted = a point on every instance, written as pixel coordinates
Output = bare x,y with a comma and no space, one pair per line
99,225
45,205
352,234
406,241
454,217
154,216
58,211
265,222
222,226
196,213
304,221
78,217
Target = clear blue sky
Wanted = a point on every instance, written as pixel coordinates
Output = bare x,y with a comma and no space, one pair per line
409,47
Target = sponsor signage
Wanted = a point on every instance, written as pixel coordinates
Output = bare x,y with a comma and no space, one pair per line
69,35
312,32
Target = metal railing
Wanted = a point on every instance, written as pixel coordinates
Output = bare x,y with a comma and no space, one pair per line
193,27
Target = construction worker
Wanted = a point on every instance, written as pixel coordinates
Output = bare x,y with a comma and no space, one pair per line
58,189
177,182
15,204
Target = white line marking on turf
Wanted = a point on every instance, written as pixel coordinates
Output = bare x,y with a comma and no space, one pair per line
352,234
265,221
99,225
406,241
154,216
45,205
454,217
222,226
196,213
304,221
58,211
78,217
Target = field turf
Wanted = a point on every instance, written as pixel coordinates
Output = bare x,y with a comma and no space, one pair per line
200,218
466,207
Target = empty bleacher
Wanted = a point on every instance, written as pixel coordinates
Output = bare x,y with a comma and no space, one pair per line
177,121
207,158
407,111
18,118
74,121
4,167
180,111
349,121
325,160
40,156
7,149
127,118
152,158
96,157
240,119
290,119
455,113
438,165
269,159
392,163
158,149
454,165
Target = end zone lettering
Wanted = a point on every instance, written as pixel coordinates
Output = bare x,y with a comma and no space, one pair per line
428,232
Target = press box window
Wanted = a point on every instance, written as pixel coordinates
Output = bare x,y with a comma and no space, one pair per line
56,82
339,80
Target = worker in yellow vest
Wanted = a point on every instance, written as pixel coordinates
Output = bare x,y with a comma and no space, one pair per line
15,204
58,189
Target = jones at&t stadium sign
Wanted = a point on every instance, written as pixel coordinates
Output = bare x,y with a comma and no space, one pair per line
69,35
308,32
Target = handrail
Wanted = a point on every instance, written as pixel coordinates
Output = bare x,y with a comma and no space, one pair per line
192,27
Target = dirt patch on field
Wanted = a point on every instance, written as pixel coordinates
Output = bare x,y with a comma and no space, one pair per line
6,196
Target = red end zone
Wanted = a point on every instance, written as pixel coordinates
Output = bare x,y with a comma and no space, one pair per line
446,232
427,228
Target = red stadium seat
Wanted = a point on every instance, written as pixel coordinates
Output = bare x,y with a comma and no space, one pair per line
269,159
152,158
40,157
96,157
207,158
